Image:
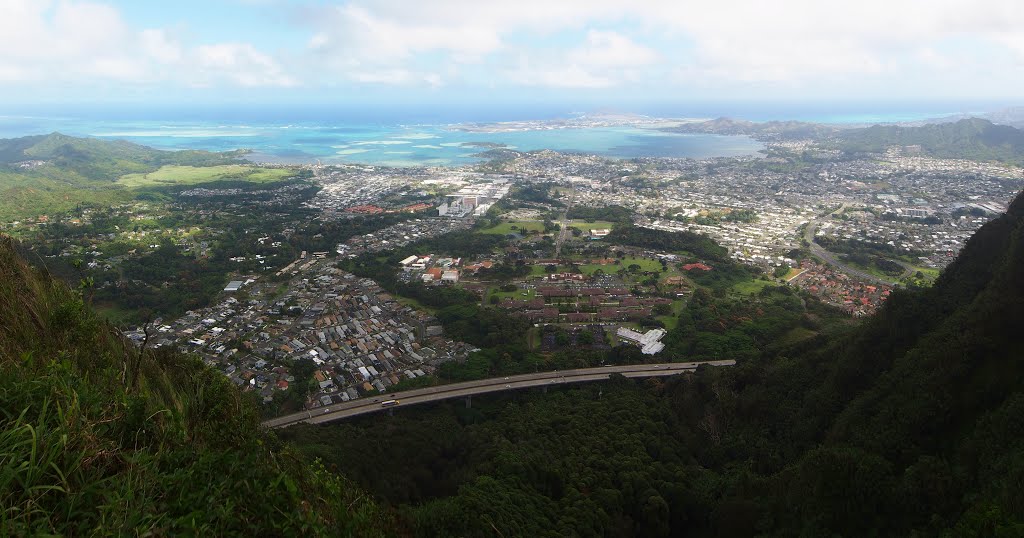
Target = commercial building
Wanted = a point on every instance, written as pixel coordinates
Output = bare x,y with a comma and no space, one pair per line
649,342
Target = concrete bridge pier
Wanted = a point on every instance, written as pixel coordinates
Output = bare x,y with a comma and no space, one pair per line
469,401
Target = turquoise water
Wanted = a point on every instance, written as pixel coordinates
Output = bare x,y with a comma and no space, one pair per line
418,135
392,145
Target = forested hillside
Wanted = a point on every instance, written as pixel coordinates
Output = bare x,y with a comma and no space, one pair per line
52,173
97,438
908,425
973,138
103,160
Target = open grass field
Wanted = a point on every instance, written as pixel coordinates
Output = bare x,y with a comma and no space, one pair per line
644,263
537,270
670,322
520,226
792,273
409,301
587,226
795,335
751,286
871,269
190,175
518,294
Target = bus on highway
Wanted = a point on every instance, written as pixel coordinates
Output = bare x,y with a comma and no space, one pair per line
389,403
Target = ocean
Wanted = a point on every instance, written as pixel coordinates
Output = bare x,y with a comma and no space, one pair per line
401,136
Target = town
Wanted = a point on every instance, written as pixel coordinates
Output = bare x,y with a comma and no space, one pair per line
553,238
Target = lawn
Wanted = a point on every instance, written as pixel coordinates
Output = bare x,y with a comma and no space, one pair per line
505,228
871,269
793,271
191,175
928,272
929,275
645,264
672,320
540,270
409,301
587,226
796,334
518,294
751,286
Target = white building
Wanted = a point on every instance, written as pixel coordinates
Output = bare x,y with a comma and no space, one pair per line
649,342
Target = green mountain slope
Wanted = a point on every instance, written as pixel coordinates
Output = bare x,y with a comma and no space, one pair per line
973,138
98,439
64,171
103,160
769,130
970,138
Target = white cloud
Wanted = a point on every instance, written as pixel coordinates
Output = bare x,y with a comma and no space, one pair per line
604,59
791,43
241,63
158,45
648,45
396,77
611,49
572,76
87,43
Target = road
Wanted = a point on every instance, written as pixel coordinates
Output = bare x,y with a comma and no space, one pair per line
564,223
364,406
831,259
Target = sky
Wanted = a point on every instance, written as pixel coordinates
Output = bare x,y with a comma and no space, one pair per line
481,51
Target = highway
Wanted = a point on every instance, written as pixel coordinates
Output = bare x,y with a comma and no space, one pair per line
830,258
367,405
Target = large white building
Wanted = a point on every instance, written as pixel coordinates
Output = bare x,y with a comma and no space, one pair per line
649,342
473,199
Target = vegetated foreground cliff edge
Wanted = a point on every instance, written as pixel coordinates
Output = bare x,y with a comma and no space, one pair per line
98,439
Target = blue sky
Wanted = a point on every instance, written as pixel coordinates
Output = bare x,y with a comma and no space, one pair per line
481,51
